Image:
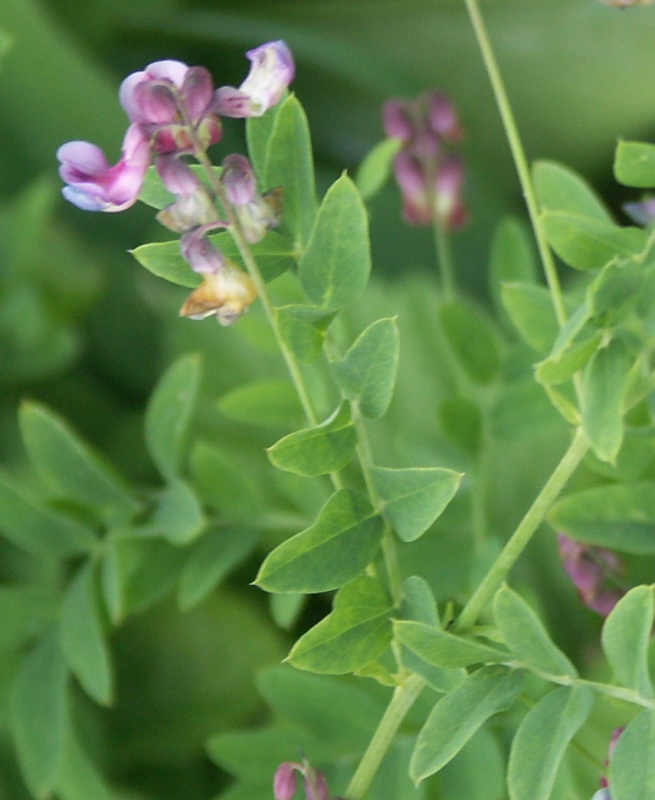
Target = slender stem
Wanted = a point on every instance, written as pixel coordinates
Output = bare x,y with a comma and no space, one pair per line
520,160
402,700
524,532
445,260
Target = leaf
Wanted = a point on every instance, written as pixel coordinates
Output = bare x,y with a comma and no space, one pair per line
339,545
222,485
458,715
526,637
69,465
634,164
169,413
258,134
156,195
303,328
418,601
443,649
40,714
25,610
367,373
82,636
615,291
562,367
78,778
616,516
317,451
531,311
334,268
512,258
626,639
460,419
353,635
178,515
375,168
264,402
605,382
632,767
542,739
560,189
37,529
587,243
472,339
210,560
289,163
412,499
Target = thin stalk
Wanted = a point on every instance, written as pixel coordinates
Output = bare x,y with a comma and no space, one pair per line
402,700
446,265
526,529
520,160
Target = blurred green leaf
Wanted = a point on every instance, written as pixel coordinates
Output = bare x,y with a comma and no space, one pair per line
25,610
615,291
559,188
178,515
562,367
222,484
40,714
616,516
303,328
375,168
367,373
626,639
531,311
352,636
258,134
461,422
169,413
458,715
634,164
263,402
412,499
334,268
82,636
512,258
632,766
473,340
443,649
339,545
526,637
542,739
78,778
317,451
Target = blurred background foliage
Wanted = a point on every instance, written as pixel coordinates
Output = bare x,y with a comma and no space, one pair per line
86,331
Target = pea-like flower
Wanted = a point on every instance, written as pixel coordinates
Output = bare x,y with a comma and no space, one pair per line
272,70
94,184
593,571
285,781
257,213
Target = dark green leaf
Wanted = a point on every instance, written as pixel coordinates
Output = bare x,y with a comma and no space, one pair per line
634,164
334,550
626,639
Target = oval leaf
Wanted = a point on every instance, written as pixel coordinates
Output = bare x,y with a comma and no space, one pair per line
560,189
531,311
443,649
626,638
632,768
375,168
334,550
634,164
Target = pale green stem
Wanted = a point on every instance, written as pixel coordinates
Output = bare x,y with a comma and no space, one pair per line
445,260
526,529
520,160
402,700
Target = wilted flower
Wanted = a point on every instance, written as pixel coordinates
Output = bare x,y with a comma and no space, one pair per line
226,294
271,71
592,570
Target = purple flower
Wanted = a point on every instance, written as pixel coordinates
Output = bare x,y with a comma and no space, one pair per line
239,180
201,254
272,70
95,185
642,213
591,569
285,780
256,213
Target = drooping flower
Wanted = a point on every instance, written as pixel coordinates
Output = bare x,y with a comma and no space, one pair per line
592,570
284,781
95,185
257,213
272,70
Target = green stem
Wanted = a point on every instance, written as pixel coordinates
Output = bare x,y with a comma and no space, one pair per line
402,700
520,160
445,261
524,532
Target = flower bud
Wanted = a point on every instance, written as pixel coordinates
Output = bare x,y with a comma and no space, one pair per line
316,787
397,120
201,254
443,118
285,781
176,175
238,180
187,213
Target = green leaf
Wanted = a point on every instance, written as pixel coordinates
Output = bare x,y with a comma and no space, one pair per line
222,485
78,778
82,636
375,168
169,413
460,419
178,515
512,258
472,339
37,529
634,164
458,715
443,649
367,373
353,635
616,516
531,311
40,714
626,639
587,243
317,451
339,545
210,560
561,367
25,610
303,328
526,637
412,499
69,465
258,134
612,295
605,382
334,268
542,739
265,402
289,163
560,189
156,195
632,767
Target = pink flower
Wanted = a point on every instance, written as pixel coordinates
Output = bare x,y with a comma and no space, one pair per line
271,71
591,569
95,185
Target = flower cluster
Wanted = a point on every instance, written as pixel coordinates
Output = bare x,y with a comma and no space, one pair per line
429,175
593,570
285,781
174,112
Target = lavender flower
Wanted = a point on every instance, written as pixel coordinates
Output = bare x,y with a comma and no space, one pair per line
591,569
